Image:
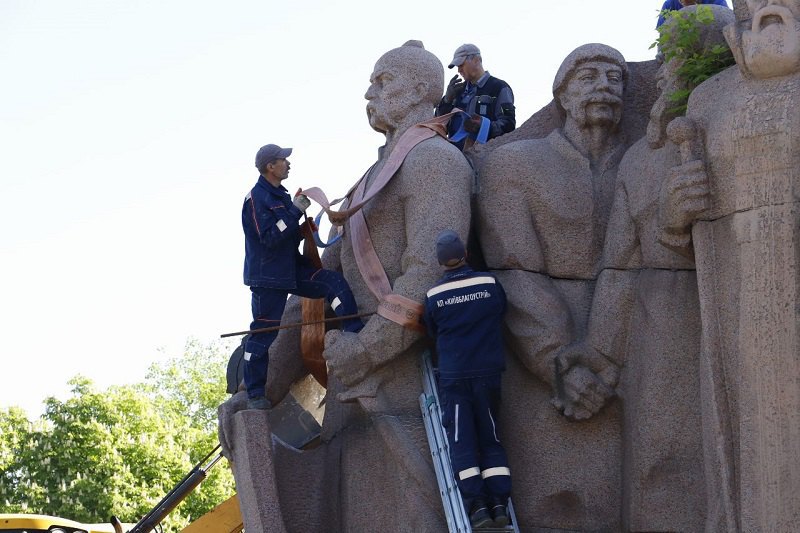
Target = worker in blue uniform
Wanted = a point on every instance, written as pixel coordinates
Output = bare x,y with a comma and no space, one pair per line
480,94
274,267
675,5
464,314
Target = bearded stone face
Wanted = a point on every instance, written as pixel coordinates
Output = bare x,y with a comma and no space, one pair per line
593,94
771,46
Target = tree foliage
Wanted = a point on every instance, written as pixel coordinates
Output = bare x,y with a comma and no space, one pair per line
680,39
119,451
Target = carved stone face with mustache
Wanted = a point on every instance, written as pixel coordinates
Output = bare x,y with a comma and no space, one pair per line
770,47
593,94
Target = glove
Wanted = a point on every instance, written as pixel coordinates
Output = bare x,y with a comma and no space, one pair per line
454,89
301,202
473,124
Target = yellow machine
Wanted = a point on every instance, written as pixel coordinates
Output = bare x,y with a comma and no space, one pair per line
225,518
37,523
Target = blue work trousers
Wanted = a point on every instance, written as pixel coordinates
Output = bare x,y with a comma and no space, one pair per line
469,415
268,305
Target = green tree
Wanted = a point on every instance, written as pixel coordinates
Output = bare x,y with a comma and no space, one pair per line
119,451
15,430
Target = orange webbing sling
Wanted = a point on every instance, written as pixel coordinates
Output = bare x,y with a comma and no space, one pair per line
394,307
412,137
312,336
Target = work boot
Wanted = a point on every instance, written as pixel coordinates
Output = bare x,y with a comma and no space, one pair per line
259,402
479,516
500,513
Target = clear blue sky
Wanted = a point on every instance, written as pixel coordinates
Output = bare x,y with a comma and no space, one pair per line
128,130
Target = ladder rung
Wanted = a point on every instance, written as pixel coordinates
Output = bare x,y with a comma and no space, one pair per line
457,520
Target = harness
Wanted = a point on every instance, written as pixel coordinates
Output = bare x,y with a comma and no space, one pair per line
394,307
312,336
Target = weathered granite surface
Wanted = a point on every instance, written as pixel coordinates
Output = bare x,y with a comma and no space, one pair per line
646,317
384,449
737,192
373,427
639,96
558,193
641,394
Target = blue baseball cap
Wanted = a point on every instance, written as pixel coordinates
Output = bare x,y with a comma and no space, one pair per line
269,153
462,53
449,248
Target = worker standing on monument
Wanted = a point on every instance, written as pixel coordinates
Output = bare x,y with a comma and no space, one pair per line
675,5
464,314
480,94
274,268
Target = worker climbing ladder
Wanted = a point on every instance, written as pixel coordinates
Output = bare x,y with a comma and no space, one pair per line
457,519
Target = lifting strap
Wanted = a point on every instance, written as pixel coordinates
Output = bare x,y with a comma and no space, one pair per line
312,336
394,307
412,137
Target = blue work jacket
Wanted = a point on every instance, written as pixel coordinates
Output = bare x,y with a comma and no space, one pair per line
464,314
501,113
271,237
675,5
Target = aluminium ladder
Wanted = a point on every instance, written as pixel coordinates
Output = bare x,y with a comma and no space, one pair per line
457,519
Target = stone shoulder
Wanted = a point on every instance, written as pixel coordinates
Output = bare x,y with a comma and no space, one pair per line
437,148
515,163
436,157
707,96
631,166
518,149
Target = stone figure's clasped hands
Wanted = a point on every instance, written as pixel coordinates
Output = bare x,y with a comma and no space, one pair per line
582,393
584,381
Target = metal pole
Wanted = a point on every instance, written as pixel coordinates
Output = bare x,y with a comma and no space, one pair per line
295,325
177,494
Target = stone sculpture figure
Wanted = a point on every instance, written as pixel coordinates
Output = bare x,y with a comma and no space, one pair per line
374,462
735,200
653,291
386,459
543,209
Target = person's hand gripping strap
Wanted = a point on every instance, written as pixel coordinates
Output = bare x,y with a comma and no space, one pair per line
479,136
